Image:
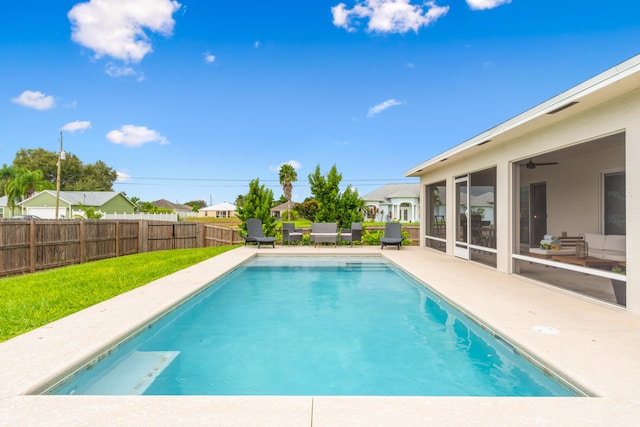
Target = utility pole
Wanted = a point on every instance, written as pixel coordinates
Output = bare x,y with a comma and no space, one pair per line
60,157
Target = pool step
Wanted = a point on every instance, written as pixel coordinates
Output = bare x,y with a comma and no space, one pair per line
134,374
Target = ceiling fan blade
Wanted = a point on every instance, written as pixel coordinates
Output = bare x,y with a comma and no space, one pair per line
531,165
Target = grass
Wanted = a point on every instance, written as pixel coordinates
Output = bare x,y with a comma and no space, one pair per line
30,301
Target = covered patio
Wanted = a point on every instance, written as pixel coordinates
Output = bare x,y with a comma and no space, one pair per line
562,170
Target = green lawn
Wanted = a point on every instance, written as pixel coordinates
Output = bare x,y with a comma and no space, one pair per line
33,300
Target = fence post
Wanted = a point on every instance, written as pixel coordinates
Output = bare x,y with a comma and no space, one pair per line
32,245
82,237
201,235
142,235
117,238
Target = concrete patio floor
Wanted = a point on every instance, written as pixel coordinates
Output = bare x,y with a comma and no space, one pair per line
597,347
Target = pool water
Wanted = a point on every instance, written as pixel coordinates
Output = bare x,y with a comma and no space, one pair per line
315,326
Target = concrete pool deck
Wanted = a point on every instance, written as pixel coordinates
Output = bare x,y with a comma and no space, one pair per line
597,347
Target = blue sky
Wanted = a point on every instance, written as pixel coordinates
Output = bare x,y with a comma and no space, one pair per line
192,99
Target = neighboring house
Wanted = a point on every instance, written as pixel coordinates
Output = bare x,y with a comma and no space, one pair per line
43,204
181,210
564,167
5,211
279,210
219,210
395,202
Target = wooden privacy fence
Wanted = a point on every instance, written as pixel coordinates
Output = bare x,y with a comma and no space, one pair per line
30,246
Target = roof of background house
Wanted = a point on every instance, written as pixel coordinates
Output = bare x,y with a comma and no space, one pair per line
392,191
87,198
282,206
484,199
163,203
223,206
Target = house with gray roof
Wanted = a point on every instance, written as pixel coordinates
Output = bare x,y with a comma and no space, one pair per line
394,202
43,204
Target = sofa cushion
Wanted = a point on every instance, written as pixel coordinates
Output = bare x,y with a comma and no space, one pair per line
615,242
595,241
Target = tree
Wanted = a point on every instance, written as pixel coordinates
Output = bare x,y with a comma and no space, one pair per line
92,177
327,192
23,184
90,212
372,212
257,204
148,207
6,173
350,207
334,206
288,176
74,175
196,205
308,209
239,201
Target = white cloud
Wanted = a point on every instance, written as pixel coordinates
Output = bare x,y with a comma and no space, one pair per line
118,28
257,44
486,4
122,176
135,136
382,106
296,165
119,71
388,16
76,126
35,99
209,58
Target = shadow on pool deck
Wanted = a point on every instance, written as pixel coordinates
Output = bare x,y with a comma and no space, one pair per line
597,347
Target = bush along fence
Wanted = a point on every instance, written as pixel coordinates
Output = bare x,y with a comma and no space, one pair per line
30,246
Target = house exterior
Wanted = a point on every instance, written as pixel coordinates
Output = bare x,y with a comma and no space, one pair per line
279,210
5,211
394,202
43,204
219,210
565,167
181,210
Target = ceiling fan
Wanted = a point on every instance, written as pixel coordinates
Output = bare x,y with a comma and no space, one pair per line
531,165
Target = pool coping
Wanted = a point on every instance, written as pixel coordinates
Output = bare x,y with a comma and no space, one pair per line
597,347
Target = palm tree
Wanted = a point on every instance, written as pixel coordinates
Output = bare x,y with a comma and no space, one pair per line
23,184
288,176
6,173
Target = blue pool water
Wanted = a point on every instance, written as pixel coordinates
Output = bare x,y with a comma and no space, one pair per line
315,326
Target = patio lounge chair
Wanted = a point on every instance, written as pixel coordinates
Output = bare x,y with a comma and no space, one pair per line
256,234
290,233
392,235
353,234
326,232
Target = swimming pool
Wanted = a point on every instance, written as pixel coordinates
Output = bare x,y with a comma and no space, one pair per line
314,326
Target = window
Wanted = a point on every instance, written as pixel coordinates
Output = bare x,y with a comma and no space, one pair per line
615,221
